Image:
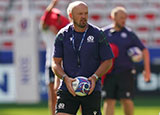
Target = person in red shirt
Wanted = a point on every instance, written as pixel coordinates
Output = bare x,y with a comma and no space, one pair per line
51,22
52,19
115,51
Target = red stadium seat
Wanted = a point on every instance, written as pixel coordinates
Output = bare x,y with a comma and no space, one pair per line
157,28
142,28
155,4
157,41
144,37
150,16
95,17
7,45
156,38
132,17
150,13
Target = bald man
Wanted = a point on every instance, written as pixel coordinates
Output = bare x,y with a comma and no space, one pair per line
84,51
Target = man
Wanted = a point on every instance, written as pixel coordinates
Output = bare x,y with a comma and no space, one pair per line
119,83
115,51
84,51
51,22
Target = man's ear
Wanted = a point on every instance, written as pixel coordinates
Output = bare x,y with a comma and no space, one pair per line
70,15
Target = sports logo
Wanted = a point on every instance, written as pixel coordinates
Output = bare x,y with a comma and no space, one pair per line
61,106
94,112
71,38
90,39
123,35
128,94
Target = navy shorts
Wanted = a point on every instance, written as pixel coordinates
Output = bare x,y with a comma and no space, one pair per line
91,104
118,86
49,75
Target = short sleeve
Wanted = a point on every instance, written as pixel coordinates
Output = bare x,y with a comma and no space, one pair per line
137,42
105,49
58,46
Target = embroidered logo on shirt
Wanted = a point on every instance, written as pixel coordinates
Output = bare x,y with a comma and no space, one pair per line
123,35
104,93
128,94
94,112
90,39
61,106
71,38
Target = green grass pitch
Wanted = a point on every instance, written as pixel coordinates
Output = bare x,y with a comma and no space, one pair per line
143,106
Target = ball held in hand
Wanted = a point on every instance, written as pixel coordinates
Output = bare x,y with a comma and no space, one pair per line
81,86
135,53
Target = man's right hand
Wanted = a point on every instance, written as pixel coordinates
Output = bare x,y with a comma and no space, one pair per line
68,81
146,76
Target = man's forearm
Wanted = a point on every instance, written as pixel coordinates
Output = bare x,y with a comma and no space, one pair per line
104,67
51,5
57,69
146,60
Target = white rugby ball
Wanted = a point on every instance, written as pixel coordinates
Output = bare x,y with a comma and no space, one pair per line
81,86
135,53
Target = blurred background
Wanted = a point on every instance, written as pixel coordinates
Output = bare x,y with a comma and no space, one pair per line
22,52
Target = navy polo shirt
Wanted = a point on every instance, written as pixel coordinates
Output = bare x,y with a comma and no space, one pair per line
94,49
124,39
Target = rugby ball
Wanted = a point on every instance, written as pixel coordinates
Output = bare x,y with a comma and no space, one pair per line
135,53
81,86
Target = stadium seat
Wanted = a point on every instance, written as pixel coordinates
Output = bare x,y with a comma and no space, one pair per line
157,28
7,45
156,39
134,4
116,3
133,17
133,14
156,24
150,13
144,37
143,29
154,3
143,16
96,16
143,25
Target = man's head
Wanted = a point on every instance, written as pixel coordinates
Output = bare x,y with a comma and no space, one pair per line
78,13
119,16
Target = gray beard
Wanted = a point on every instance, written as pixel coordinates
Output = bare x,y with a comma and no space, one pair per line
81,26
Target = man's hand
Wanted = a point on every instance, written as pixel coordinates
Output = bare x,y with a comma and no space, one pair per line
68,81
146,76
93,83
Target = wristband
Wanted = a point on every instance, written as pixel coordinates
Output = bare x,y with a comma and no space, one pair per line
96,76
63,76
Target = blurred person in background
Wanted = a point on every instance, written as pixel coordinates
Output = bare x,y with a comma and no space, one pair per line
84,51
119,83
51,22
115,51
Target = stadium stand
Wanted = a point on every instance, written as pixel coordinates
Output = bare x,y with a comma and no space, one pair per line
140,12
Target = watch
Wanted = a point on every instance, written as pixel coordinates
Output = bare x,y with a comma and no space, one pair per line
96,76
63,76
